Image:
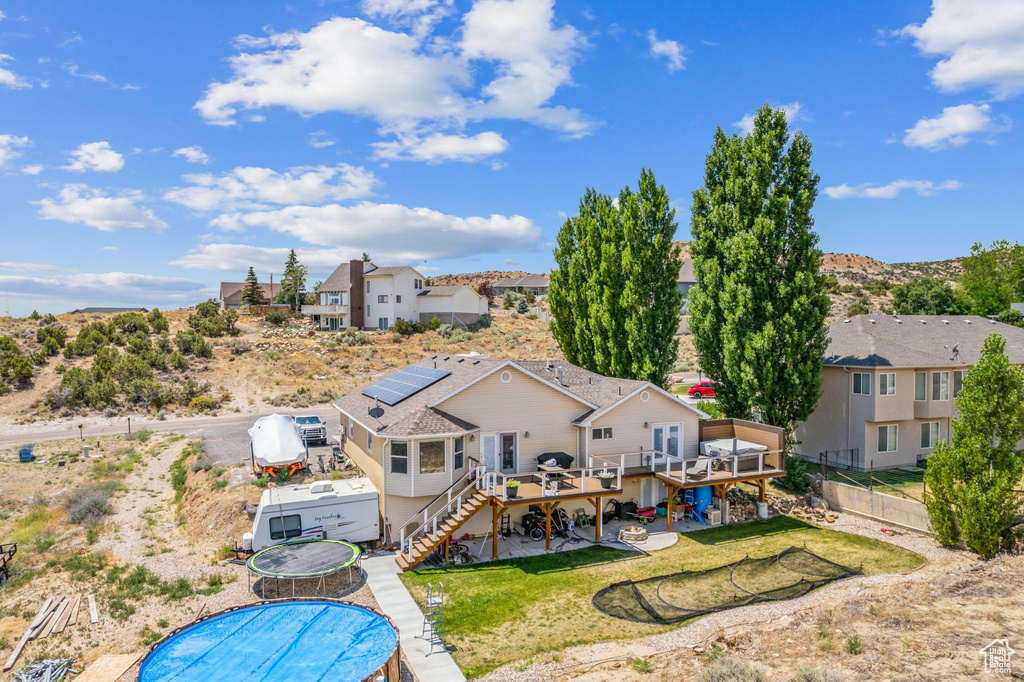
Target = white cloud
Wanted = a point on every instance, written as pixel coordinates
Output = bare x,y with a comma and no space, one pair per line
94,156
953,127
395,232
924,188
34,169
411,84
251,187
9,146
440,147
18,266
792,111
420,15
111,288
9,78
238,257
80,204
193,154
109,248
673,52
2,16
76,71
319,139
982,45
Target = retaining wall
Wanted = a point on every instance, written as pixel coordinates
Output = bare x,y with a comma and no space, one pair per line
897,511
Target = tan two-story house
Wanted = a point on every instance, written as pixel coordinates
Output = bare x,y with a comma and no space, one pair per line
444,438
889,386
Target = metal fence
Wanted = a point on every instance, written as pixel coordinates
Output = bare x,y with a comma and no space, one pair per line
842,459
905,482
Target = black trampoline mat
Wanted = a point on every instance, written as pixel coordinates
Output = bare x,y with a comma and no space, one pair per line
308,559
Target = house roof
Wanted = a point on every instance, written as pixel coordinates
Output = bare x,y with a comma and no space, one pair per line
385,272
415,415
231,288
444,290
916,340
686,272
339,280
108,310
527,281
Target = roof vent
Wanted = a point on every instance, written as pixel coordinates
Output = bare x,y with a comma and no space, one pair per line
899,321
846,321
923,321
871,321
558,376
967,321
461,359
476,362
945,322
548,365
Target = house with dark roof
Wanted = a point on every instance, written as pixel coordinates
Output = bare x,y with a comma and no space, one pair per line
451,436
537,284
889,386
231,293
362,294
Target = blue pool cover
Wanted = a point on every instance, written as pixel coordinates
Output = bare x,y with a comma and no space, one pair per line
278,642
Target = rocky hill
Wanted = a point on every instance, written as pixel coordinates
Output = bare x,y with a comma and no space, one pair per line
475,278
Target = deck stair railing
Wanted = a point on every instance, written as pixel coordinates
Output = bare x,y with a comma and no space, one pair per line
452,504
444,499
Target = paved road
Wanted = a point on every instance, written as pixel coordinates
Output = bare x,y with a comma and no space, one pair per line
226,436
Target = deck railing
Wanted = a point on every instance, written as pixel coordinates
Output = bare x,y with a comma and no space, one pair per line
452,501
694,469
578,479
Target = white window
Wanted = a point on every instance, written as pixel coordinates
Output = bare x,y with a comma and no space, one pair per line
399,457
929,434
369,441
940,385
431,456
382,298
861,383
351,428
285,527
602,434
460,452
887,384
367,286
887,438
958,381
920,386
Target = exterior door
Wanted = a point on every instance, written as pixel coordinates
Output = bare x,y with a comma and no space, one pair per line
489,451
666,438
508,461
333,321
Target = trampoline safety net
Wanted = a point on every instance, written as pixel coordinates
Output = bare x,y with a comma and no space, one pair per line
681,596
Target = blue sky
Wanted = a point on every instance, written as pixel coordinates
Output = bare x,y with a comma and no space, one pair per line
150,150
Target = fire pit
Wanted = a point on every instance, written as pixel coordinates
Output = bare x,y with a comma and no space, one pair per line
632,534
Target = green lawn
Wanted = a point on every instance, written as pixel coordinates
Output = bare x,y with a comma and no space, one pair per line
505,611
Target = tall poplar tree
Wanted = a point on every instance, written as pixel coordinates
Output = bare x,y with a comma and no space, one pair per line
613,296
293,281
757,312
252,292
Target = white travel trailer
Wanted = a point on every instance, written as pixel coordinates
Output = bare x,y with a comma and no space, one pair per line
333,510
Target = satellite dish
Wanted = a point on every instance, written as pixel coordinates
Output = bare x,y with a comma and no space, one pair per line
377,412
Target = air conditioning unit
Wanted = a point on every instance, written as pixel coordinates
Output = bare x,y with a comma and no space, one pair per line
714,516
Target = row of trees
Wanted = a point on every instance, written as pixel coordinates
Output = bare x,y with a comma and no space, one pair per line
292,289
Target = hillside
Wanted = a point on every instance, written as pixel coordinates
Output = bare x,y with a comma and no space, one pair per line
475,278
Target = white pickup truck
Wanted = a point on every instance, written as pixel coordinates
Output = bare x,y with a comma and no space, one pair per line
311,428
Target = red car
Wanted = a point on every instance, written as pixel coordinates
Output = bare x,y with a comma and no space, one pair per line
702,389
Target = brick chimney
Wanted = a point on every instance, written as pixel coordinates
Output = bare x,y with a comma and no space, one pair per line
356,294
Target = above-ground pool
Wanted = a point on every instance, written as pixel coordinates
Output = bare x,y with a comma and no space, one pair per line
283,641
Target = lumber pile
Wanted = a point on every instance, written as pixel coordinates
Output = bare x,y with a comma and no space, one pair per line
54,616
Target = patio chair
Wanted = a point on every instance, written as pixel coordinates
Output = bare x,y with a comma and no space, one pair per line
699,469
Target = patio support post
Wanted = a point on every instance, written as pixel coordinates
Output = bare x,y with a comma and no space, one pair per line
597,517
494,530
761,497
547,526
668,510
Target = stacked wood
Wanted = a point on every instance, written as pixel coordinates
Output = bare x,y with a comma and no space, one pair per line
53,617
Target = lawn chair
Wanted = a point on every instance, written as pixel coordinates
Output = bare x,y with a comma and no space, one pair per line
700,468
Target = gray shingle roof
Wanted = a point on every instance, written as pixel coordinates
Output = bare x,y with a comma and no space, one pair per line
339,280
596,389
386,272
527,281
447,290
916,340
686,272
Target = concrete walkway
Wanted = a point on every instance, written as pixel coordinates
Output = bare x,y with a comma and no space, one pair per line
395,601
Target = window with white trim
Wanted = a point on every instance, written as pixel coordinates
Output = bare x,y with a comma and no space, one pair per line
958,381
887,438
940,385
351,429
887,383
399,457
861,383
431,456
920,386
601,434
929,434
382,298
369,441
459,455
398,298
367,286
285,527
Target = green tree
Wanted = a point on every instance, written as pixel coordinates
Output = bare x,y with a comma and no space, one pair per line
613,296
757,312
928,296
366,257
293,283
973,481
993,278
252,292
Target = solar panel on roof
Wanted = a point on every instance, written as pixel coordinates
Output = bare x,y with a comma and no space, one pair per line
408,381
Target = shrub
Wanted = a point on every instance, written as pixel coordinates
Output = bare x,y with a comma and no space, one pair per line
808,674
277,316
190,342
1014,317
730,669
508,300
396,337
403,327
56,336
89,339
202,403
853,645
129,323
15,366
795,479
178,361
210,320
641,665
157,321
857,308
163,342
131,368
521,307
435,324
88,505
34,315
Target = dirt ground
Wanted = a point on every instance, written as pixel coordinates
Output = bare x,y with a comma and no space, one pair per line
181,547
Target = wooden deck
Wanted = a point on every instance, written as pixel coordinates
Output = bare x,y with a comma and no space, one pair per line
674,476
530,491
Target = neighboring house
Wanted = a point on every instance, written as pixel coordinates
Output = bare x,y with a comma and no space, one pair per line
440,439
361,294
538,284
889,386
231,294
94,310
1019,307
685,281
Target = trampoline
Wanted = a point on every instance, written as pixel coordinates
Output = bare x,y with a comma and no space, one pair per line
309,559
279,641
